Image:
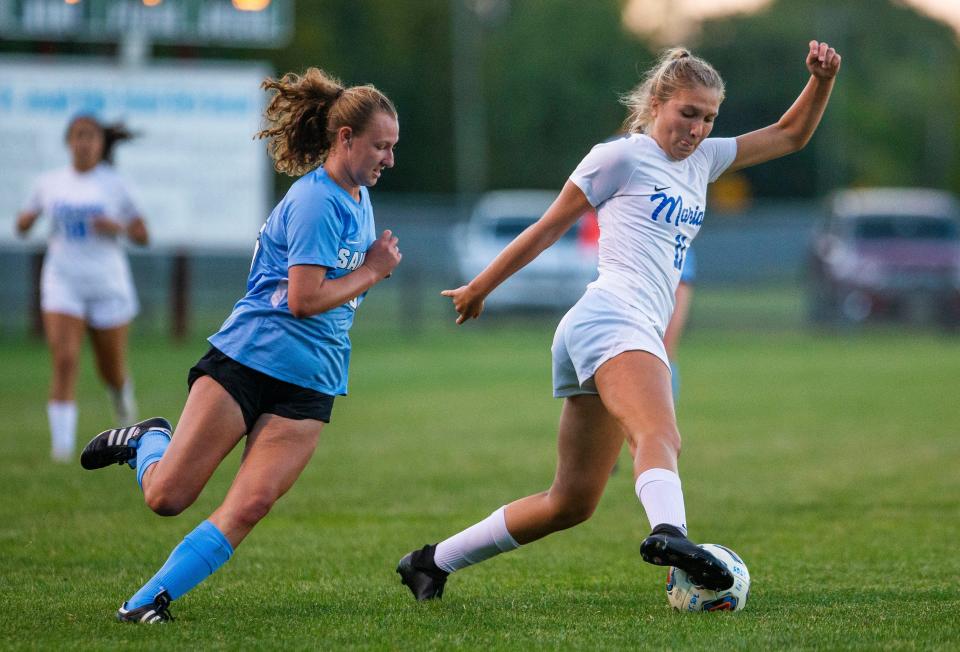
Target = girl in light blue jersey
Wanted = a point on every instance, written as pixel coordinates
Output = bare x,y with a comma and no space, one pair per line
282,355
609,362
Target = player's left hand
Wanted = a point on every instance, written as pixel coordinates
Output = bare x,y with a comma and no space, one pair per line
823,61
105,226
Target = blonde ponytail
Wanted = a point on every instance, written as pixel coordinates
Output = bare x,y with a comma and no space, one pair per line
306,112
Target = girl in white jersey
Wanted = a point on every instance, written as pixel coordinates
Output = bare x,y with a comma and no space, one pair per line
609,363
86,283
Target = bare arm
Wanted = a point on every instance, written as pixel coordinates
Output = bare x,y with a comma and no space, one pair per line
135,229
137,232
310,292
794,130
569,205
25,221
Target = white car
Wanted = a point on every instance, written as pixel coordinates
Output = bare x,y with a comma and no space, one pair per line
555,279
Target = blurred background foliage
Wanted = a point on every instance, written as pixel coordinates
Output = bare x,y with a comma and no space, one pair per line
552,71
540,80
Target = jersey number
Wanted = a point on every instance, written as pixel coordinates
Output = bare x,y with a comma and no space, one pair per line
679,251
75,229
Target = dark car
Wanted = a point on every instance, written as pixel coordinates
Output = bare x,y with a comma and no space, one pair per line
887,253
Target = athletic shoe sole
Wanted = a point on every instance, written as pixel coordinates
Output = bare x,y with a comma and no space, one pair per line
157,611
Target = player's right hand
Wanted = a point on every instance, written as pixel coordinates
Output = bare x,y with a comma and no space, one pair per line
466,302
25,221
384,254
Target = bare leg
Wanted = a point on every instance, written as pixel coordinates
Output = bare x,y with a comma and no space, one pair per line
110,351
210,426
635,398
277,451
64,335
588,443
635,387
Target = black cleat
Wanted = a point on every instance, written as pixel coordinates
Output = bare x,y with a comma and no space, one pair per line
667,546
114,446
157,611
421,575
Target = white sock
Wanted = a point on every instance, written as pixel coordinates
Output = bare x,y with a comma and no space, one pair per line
124,404
478,542
62,416
662,496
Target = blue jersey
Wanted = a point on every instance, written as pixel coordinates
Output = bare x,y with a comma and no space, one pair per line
316,223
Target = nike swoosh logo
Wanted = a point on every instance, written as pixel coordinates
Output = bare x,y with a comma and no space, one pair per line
357,241
658,189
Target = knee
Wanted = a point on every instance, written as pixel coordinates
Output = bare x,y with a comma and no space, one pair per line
666,440
166,501
64,364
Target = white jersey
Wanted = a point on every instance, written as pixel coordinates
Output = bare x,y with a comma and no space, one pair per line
649,208
71,199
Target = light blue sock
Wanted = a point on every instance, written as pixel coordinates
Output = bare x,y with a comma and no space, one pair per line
199,554
150,448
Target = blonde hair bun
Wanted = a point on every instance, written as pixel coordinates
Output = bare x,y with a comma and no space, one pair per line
676,68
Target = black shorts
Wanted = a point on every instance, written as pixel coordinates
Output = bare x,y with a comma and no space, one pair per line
257,393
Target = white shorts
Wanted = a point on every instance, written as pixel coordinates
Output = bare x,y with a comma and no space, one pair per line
100,308
599,327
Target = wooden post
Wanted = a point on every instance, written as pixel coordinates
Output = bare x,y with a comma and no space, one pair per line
179,296
36,314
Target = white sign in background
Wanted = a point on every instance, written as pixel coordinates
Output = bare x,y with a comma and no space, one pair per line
196,173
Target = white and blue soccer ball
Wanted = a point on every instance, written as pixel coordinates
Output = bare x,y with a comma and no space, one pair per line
684,595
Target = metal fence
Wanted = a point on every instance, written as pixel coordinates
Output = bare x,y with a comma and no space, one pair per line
764,247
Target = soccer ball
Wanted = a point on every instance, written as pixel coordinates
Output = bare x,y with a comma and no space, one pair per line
684,595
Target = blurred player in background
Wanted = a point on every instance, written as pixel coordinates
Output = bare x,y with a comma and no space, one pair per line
609,361
281,357
683,297
86,283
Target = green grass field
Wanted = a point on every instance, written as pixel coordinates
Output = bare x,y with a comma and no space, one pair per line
831,463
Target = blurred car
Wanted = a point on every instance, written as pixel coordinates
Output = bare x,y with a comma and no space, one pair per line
555,280
887,252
